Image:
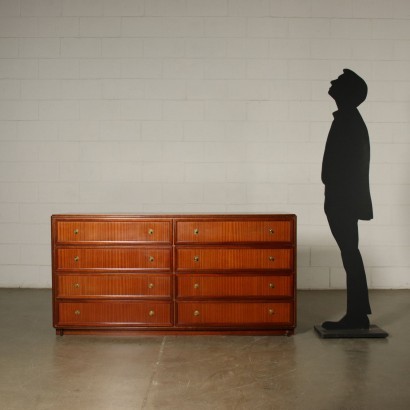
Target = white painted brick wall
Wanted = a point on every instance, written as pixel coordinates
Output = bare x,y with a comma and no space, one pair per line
198,106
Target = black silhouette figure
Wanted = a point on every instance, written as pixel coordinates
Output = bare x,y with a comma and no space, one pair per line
345,174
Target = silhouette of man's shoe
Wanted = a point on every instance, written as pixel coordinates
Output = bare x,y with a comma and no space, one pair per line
348,322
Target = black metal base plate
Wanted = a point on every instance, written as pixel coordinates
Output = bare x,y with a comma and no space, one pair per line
373,332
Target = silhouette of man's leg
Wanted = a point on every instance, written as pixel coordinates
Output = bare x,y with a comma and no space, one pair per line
344,228
357,292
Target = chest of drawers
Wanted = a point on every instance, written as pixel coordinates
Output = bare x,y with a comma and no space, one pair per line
174,274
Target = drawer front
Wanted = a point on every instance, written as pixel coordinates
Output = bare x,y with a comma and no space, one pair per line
233,286
234,314
121,285
114,231
114,258
115,313
234,231
230,258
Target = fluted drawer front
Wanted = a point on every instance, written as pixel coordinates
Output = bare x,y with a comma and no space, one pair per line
234,286
114,231
114,285
115,313
234,313
234,231
231,258
114,258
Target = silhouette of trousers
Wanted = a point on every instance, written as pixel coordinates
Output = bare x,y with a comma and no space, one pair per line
345,230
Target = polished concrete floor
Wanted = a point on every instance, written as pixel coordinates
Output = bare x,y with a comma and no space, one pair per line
41,371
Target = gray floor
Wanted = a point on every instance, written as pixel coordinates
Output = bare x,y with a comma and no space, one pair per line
39,370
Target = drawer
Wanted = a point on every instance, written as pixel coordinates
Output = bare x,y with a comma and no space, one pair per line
233,258
234,314
218,286
114,231
111,285
115,313
114,258
234,231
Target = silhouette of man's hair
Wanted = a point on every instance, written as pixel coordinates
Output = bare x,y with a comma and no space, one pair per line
356,91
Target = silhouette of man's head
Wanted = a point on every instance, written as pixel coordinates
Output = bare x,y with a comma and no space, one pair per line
348,90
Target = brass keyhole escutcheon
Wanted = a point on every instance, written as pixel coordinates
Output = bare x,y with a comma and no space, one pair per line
150,232
150,286
196,286
196,231
272,285
271,258
196,313
76,258
151,259
271,231
76,285
151,313
196,258
77,312
271,312
76,231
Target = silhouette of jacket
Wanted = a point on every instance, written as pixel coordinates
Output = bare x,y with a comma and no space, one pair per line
346,162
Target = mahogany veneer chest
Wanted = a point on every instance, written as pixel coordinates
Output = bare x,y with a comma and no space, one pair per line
174,274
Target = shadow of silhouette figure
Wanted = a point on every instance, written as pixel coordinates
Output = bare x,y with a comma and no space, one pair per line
345,174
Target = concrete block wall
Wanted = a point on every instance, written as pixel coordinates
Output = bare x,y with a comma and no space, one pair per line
198,106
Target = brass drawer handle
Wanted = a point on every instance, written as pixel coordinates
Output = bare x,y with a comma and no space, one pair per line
271,258
196,313
271,312
150,232
77,312
151,313
76,285
151,259
196,231
196,286
76,258
196,258
272,285
271,231
76,231
150,286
